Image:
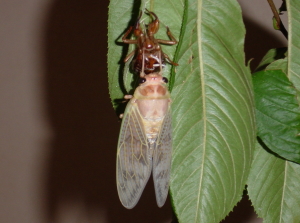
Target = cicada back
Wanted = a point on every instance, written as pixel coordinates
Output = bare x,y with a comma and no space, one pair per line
145,142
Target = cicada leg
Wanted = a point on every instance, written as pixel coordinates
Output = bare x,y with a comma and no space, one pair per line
128,96
169,60
129,56
173,41
138,32
129,41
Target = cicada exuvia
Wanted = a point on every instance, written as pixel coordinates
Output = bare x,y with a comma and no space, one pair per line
145,142
148,51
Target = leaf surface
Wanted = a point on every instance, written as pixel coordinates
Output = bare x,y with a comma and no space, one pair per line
277,113
293,7
213,121
274,187
271,56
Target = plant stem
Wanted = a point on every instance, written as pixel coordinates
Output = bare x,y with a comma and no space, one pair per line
277,17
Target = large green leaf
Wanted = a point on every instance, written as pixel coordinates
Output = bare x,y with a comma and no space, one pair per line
277,113
293,7
274,188
213,121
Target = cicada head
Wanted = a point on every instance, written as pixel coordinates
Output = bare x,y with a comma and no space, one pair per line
152,86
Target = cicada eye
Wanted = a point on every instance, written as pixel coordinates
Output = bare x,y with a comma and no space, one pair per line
165,80
142,80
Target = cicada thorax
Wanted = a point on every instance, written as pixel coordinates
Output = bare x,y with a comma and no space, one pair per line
148,53
153,101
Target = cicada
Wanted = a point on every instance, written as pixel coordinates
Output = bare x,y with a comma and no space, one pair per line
148,49
145,142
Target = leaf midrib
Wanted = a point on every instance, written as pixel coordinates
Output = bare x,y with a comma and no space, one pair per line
283,192
199,16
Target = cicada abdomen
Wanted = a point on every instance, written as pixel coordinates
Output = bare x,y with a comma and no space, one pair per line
145,142
148,49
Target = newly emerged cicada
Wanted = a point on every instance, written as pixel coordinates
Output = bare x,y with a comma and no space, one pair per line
145,142
148,49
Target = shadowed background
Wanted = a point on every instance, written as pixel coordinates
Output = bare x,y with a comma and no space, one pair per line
58,131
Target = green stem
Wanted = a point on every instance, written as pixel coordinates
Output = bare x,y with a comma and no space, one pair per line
277,17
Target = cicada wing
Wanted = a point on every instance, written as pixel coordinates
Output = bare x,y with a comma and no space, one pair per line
162,155
134,159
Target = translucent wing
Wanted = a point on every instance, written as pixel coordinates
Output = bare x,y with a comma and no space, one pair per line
162,161
134,159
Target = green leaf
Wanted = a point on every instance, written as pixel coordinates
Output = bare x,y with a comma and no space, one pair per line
280,64
271,56
213,116
277,113
274,187
293,7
